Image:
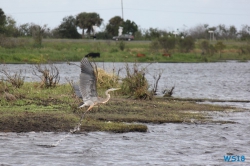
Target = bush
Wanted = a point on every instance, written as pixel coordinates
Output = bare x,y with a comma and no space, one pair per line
219,46
212,50
50,75
135,84
106,80
186,44
204,46
154,46
16,80
122,45
167,43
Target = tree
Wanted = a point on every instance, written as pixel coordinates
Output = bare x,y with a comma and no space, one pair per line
10,27
24,30
245,32
87,21
37,33
199,32
2,21
129,27
232,32
154,33
220,46
113,25
68,28
222,31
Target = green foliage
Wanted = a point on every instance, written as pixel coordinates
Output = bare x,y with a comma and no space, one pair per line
25,30
68,28
154,46
135,84
129,27
122,45
167,43
113,25
207,48
10,27
204,45
219,46
37,33
2,20
186,44
115,22
61,50
114,50
212,50
103,35
87,21
154,33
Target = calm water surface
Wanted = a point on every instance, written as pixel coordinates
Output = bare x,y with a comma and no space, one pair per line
167,144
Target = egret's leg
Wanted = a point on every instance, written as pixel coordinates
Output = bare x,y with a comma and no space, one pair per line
90,107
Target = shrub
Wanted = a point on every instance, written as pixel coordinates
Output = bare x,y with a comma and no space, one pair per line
154,46
186,44
122,45
135,84
50,75
16,80
106,80
204,46
167,43
219,46
212,50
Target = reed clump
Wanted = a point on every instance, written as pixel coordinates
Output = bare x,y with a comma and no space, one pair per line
135,84
106,80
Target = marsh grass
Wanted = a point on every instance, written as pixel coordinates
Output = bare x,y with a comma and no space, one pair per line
155,111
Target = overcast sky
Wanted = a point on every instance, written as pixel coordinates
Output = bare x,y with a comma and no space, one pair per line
162,14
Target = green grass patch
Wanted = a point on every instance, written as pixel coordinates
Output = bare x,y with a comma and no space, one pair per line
58,50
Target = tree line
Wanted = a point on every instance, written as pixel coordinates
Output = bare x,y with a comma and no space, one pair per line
85,21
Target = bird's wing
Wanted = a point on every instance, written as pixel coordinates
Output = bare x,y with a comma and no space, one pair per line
77,90
87,80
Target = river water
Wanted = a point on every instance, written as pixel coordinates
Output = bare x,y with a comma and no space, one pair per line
166,144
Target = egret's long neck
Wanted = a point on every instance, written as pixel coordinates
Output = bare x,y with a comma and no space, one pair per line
107,97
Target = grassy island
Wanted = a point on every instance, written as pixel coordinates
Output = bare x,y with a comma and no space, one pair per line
31,108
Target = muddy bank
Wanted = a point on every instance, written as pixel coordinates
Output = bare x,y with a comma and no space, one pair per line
118,115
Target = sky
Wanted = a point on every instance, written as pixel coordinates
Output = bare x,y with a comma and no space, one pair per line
167,15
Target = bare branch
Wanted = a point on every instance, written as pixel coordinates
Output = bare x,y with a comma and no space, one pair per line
16,80
50,75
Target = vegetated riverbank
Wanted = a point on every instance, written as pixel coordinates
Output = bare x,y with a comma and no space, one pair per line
61,50
31,108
